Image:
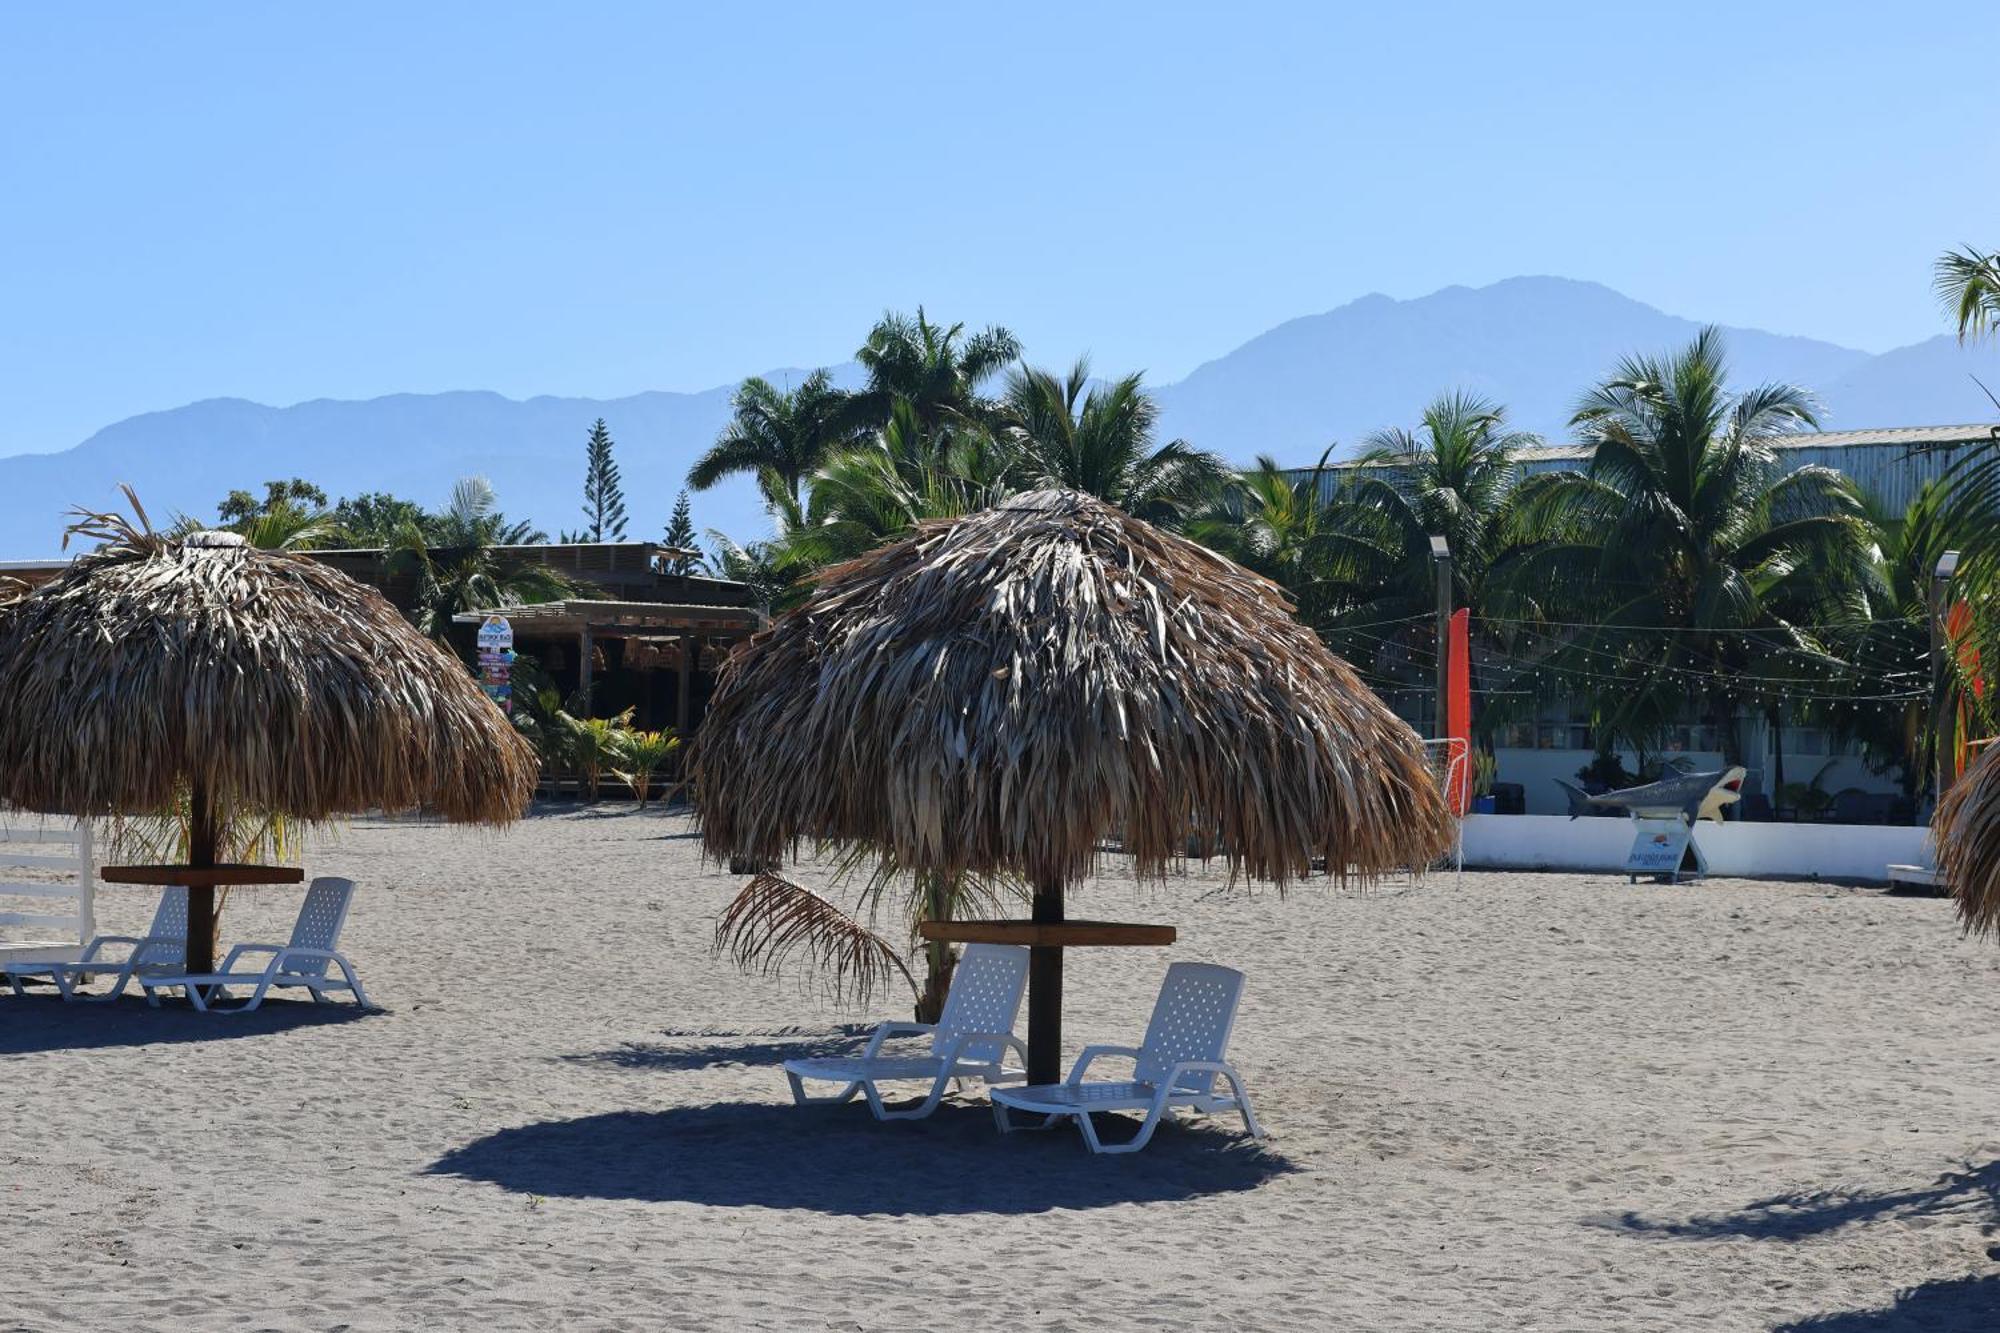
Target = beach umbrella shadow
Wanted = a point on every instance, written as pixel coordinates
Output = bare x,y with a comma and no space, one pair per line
1948,1305
35,1024
840,1160
1973,1190
705,1050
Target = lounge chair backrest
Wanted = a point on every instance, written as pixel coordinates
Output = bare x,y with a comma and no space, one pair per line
321,916
985,996
166,938
1191,1021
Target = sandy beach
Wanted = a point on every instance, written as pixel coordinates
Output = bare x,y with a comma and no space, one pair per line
1523,1102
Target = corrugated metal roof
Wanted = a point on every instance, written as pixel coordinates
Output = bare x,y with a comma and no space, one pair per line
1902,437
1890,464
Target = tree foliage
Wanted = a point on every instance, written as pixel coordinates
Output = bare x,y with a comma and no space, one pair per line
603,496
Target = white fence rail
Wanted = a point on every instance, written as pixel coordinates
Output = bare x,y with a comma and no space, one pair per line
63,915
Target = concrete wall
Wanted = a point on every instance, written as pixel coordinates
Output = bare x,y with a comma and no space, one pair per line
1827,851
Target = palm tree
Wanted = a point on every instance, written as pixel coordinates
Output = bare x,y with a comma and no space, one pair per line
878,491
1298,530
935,368
1968,283
1099,440
640,754
1686,563
1452,477
458,559
1883,697
780,435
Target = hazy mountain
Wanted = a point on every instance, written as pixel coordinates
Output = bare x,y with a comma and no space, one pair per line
1532,343
414,445
1931,383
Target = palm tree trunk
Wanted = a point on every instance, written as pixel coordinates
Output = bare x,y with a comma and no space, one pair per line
939,901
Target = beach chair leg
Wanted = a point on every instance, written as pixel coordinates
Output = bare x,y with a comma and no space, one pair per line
800,1097
118,984
923,1108
1250,1125
353,984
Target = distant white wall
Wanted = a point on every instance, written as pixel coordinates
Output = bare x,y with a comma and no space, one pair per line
1829,851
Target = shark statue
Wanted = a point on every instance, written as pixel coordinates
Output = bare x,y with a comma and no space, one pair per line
1695,795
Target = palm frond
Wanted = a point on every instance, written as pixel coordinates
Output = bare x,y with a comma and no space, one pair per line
775,920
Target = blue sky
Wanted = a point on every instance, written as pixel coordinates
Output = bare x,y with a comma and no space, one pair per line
287,202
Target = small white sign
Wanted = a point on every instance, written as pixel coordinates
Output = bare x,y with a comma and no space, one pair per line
495,633
1664,847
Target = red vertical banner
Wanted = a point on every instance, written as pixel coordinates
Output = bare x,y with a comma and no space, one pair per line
1458,711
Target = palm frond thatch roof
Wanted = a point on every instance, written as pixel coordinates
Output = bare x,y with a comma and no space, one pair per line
280,683
1967,828
1003,691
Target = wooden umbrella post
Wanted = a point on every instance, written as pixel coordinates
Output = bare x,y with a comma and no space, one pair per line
1045,985
201,897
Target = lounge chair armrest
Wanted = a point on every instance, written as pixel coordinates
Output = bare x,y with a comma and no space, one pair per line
1006,1039
1091,1053
91,950
237,951
288,953
1223,1067
894,1028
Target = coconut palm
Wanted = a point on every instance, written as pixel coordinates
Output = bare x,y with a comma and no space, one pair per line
459,560
1098,440
1968,282
937,369
779,435
880,490
1883,695
1297,529
1454,476
1685,562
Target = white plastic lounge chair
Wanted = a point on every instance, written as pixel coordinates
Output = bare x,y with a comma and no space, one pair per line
1176,1066
162,949
303,962
970,1039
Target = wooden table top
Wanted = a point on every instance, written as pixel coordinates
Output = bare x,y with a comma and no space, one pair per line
205,877
1060,934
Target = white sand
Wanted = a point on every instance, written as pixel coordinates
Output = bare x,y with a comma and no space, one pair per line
1534,1102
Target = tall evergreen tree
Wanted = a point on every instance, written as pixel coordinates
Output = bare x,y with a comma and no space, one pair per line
681,536
603,498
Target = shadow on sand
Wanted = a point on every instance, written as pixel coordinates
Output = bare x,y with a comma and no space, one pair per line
36,1023
1948,1305
704,1050
841,1160
1972,1190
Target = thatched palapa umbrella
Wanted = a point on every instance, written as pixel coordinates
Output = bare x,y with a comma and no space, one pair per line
1967,829
1004,691
240,679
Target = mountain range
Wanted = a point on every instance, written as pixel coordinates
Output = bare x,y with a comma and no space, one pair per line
1533,343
